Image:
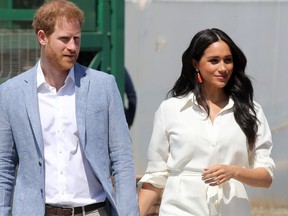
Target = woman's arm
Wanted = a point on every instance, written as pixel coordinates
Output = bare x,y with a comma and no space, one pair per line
258,177
218,174
147,197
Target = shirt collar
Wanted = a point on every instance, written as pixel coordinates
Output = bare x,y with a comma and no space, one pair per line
41,79
190,100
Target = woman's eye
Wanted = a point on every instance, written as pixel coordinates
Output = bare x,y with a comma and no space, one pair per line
228,60
214,61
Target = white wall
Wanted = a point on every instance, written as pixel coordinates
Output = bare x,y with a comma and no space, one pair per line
158,32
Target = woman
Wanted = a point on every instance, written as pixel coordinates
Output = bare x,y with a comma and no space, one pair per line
210,139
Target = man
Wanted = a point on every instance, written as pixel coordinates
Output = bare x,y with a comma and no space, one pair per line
131,96
63,130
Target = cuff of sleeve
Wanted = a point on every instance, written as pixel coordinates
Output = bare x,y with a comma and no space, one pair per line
157,180
269,165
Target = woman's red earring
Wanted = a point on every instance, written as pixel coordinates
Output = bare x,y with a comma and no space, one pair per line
199,78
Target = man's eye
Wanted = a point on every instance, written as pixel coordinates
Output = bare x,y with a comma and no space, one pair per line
64,39
76,39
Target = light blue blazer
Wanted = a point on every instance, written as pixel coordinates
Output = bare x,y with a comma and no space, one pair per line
103,134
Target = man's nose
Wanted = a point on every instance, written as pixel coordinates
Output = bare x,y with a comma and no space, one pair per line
72,45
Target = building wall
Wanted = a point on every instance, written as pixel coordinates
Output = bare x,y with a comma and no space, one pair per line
157,33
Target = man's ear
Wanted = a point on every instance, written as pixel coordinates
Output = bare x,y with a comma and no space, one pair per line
41,37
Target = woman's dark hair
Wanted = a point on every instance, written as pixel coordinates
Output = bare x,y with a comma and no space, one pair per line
239,87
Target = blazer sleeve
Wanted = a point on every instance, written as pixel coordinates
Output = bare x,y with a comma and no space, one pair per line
8,156
122,162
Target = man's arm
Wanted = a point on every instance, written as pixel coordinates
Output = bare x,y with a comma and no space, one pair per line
8,159
121,156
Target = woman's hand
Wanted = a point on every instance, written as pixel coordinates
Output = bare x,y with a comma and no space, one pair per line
218,174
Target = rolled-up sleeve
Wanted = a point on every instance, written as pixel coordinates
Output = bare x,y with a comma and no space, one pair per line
263,145
158,153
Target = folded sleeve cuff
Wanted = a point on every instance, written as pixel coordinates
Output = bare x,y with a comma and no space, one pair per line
158,179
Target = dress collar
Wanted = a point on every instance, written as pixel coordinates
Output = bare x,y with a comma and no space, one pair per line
190,101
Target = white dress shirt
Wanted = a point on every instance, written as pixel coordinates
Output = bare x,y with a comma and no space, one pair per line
184,142
69,179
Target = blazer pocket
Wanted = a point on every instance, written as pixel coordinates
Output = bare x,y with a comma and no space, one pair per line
96,109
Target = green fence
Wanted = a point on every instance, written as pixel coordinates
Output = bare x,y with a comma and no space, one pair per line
102,41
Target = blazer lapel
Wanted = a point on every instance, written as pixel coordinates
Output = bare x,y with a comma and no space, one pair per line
31,101
81,91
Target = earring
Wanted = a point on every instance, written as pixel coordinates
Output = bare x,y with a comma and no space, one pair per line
199,78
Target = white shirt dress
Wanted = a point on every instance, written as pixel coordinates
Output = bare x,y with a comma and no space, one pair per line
184,142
